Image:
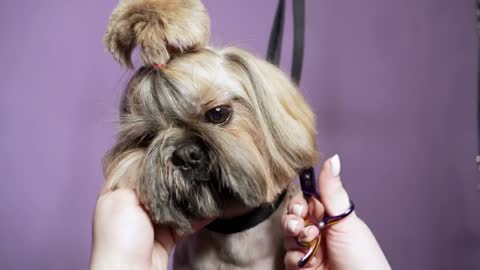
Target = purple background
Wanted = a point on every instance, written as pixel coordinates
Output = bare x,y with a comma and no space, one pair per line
392,84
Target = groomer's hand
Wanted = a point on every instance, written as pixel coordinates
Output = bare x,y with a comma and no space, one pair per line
348,244
125,238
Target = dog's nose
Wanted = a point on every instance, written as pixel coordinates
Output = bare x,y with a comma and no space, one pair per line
188,156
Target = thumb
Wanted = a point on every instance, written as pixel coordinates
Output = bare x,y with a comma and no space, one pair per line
333,195
350,243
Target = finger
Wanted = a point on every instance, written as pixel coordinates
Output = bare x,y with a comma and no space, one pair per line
349,238
119,198
166,238
292,257
121,228
200,224
308,234
291,243
298,206
292,225
315,208
120,207
332,193
197,224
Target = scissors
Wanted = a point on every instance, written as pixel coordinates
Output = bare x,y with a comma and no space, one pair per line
309,187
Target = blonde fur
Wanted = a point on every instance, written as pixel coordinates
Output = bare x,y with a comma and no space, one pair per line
123,172
160,27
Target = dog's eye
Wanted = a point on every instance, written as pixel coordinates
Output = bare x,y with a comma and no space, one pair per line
219,114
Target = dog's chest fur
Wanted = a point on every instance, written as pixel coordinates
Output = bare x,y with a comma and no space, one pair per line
260,247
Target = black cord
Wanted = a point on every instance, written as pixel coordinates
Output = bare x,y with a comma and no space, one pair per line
276,35
477,158
298,39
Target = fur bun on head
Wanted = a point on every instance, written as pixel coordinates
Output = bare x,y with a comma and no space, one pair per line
160,27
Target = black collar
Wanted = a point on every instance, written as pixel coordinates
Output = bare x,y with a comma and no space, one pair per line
246,221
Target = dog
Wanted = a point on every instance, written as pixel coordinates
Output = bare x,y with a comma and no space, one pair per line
206,133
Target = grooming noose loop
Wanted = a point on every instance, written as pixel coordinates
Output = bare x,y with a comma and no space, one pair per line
307,176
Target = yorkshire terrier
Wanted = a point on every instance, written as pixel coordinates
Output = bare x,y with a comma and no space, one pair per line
205,132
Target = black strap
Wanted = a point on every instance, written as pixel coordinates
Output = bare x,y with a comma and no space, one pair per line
276,35
298,39
246,221
477,158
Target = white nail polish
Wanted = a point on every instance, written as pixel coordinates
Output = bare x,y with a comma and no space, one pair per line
292,225
297,209
335,165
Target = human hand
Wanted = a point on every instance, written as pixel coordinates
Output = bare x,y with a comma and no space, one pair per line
125,238
348,244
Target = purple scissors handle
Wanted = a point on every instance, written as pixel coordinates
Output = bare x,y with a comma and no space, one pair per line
308,183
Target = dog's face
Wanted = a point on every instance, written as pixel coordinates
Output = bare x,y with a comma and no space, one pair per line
213,126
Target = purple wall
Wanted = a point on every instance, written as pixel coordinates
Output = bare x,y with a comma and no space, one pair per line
392,83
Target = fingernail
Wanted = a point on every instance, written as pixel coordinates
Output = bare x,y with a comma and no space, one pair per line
335,165
297,209
292,225
307,231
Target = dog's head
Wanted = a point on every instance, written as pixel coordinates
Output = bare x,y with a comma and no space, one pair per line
212,125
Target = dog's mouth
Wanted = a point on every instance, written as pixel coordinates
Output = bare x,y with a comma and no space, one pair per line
228,194
215,183
197,176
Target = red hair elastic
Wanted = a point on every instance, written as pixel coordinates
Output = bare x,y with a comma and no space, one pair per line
159,66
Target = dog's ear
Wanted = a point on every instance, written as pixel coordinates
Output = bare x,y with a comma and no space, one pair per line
121,169
160,27
285,118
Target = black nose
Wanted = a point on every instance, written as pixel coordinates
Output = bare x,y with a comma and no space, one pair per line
189,156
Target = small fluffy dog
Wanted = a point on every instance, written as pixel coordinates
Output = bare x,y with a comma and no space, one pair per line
205,132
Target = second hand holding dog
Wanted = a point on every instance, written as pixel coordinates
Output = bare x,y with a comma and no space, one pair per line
348,244
125,238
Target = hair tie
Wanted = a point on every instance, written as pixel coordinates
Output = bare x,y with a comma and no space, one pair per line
159,66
